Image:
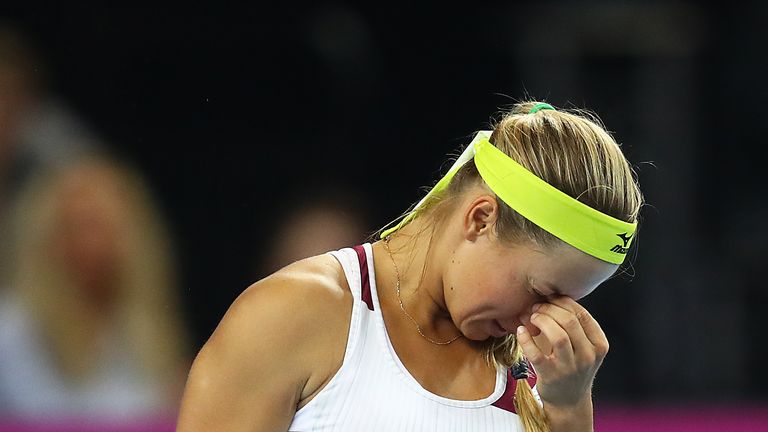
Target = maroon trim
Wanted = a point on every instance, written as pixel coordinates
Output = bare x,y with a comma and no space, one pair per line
366,283
507,400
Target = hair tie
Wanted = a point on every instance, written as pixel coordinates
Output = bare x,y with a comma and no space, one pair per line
520,370
541,106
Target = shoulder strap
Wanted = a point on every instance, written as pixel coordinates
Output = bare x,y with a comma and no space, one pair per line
364,276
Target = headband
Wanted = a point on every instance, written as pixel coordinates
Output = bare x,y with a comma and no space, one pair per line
563,216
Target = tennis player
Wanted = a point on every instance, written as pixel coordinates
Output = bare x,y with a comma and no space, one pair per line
461,317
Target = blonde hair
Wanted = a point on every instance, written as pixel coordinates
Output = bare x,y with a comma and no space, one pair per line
570,150
144,311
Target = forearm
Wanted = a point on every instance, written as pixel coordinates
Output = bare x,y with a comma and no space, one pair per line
577,418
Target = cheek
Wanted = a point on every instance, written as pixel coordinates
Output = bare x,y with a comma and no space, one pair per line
467,291
480,293
485,289
463,276
513,302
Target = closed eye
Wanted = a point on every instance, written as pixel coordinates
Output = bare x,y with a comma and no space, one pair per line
533,289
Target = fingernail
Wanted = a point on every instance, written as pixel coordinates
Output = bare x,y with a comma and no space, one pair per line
536,307
520,330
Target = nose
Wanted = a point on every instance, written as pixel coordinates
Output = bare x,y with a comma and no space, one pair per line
510,325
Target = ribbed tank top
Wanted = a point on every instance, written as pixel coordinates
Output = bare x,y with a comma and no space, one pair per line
373,391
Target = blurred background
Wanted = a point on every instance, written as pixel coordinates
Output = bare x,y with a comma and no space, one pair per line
154,163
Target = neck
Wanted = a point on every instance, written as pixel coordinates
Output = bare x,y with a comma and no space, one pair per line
418,253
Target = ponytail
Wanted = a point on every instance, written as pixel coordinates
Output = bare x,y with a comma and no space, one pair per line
507,352
528,408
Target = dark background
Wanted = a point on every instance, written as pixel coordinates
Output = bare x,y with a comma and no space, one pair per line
233,112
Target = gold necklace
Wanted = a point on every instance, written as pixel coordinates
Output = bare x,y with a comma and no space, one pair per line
400,300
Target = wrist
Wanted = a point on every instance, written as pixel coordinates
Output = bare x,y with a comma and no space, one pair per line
572,418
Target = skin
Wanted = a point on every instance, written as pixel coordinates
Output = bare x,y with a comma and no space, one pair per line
90,218
471,282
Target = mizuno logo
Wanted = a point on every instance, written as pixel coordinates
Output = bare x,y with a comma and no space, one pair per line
625,238
619,249
622,249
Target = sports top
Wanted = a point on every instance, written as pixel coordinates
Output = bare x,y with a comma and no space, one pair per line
373,391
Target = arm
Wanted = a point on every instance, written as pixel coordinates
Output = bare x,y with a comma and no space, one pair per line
253,370
566,354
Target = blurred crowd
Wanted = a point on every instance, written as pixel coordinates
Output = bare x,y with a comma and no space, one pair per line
91,322
90,326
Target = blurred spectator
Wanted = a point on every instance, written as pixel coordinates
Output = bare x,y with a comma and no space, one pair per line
36,129
330,219
90,326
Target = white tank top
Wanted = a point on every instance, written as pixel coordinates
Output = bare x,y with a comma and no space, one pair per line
373,391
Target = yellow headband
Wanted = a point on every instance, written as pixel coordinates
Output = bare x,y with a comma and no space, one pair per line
568,219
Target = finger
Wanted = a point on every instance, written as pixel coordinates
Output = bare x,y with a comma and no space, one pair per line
538,338
526,320
591,328
555,335
567,320
565,302
530,349
543,343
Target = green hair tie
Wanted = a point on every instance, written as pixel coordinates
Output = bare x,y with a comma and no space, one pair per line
541,106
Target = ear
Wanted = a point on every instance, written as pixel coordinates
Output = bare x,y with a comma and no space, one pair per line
479,217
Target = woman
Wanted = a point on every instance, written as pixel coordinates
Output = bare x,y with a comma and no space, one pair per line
90,326
426,329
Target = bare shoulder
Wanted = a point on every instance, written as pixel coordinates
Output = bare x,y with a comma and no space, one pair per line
308,294
291,309
274,346
321,278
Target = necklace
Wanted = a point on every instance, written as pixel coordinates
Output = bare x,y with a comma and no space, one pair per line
400,300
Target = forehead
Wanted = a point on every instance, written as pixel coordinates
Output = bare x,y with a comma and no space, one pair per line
563,270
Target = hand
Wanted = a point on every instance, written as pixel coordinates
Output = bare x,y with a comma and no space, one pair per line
566,354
